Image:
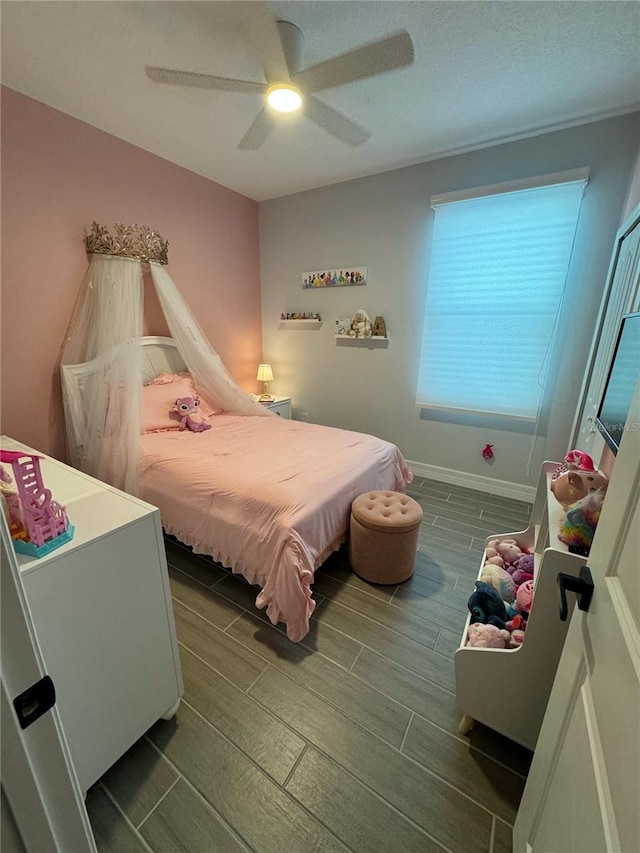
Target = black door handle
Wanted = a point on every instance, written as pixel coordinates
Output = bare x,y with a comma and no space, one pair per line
581,585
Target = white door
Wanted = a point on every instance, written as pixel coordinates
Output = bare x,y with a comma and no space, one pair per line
583,790
38,778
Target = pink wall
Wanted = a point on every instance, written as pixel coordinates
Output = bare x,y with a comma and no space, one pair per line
59,174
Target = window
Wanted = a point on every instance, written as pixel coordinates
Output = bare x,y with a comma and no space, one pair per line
497,275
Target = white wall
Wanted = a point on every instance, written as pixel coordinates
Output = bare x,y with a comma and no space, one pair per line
384,222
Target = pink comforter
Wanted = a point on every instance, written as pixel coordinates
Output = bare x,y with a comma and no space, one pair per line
267,497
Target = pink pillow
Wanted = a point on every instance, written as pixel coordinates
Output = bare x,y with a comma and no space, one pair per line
159,397
168,378
158,400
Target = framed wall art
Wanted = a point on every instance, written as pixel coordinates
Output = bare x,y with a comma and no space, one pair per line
334,278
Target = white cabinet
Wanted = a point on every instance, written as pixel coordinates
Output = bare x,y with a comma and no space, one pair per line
281,405
101,608
508,689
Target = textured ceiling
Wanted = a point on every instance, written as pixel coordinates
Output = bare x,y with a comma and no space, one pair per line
483,72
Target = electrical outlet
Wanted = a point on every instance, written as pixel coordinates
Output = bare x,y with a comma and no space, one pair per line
305,416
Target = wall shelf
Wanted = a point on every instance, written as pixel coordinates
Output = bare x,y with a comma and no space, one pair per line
300,324
375,341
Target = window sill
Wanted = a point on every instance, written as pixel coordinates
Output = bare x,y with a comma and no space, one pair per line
484,420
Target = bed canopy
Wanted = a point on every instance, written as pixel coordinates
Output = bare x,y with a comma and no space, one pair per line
102,355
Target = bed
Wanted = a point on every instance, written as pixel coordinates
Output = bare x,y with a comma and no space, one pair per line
267,497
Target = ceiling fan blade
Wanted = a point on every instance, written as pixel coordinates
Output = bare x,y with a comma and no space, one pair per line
261,27
333,122
367,61
202,81
258,132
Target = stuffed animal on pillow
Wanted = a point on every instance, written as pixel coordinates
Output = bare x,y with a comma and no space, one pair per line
188,408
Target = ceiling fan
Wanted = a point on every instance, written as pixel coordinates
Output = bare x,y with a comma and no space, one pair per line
288,88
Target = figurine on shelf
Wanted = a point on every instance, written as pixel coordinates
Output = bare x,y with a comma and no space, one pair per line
379,329
360,325
300,316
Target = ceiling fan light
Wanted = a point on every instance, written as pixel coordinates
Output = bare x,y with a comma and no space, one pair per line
284,97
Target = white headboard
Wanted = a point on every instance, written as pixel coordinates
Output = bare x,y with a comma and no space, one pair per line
159,355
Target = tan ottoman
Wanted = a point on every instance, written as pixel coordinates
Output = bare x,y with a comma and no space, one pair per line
383,536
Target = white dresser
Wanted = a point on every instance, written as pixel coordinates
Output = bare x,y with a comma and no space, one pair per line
101,608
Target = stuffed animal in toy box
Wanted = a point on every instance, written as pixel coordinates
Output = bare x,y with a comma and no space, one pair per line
500,580
503,552
188,408
485,605
487,636
522,569
522,604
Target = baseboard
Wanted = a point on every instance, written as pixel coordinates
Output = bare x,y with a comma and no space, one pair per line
473,481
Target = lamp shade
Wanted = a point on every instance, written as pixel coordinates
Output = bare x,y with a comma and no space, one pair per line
265,374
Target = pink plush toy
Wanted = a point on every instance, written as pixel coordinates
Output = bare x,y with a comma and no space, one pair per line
524,597
574,460
491,554
487,636
517,638
579,459
510,552
189,410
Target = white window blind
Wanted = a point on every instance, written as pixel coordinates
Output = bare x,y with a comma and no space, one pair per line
496,279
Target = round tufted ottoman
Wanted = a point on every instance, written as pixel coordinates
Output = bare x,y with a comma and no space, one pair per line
383,536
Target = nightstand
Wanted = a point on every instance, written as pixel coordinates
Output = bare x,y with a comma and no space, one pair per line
281,406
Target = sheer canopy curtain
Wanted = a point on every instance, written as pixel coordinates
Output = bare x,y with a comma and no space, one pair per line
101,368
205,365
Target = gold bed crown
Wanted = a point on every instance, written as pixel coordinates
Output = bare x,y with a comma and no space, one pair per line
127,241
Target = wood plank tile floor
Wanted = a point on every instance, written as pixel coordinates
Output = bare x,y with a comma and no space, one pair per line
345,742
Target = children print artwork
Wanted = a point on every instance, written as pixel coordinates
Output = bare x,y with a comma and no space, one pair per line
335,278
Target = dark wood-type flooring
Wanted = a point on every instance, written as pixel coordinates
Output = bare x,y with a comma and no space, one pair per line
345,742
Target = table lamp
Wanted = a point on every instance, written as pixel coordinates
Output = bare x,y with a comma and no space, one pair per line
265,374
